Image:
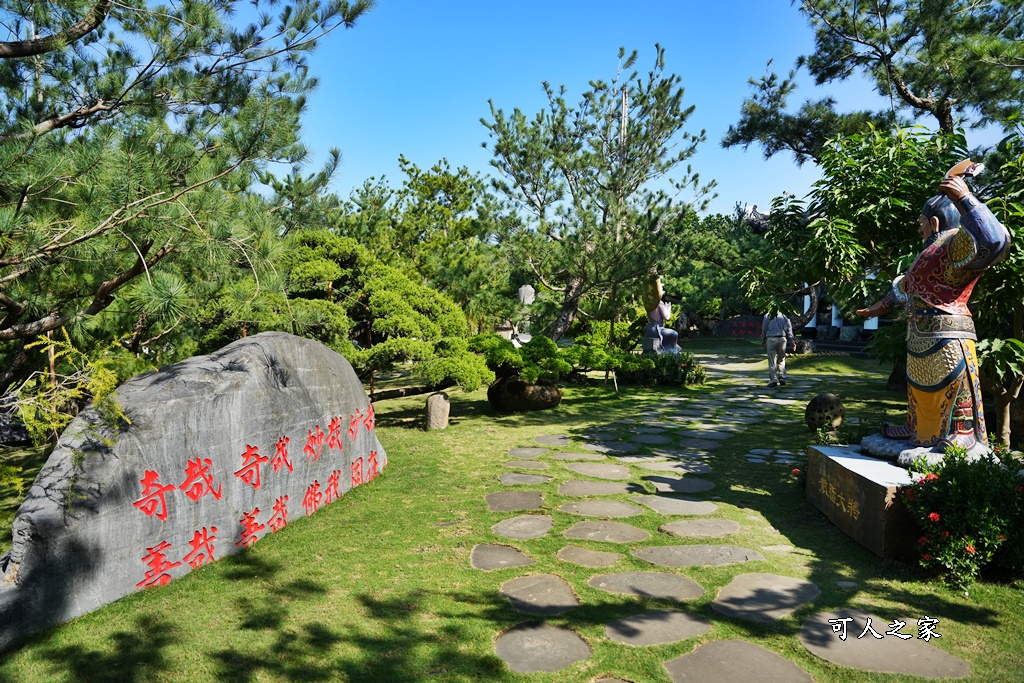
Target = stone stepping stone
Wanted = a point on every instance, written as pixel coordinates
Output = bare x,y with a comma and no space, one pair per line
656,585
600,436
579,487
514,478
735,661
553,439
534,647
528,452
718,427
700,528
587,558
701,444
611,447
761,451
600,470
577,456
763,597
524,526
657,439
676,485
779,401
714,435
745,419
606,532
633,459
649,430
757,461
527,464
508,501
676,506
681,454
889,654
696,555
785,548
677,467
602,508
542,594
657,627
489,556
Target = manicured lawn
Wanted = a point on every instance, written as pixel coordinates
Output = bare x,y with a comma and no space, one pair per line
378,586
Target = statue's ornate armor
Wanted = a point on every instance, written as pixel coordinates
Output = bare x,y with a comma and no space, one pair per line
944,392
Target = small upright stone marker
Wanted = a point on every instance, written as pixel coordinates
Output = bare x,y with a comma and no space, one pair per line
438,410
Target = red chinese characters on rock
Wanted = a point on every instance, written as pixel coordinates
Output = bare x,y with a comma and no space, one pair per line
371,418
281,458
202,547
314,444
199,481
156,560
250,472
250,527
279,519
152,501
353,424
372,467
357,472
332,492
334,440
311,501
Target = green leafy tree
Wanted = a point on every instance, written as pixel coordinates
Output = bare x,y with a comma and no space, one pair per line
949,60
586,218
129,135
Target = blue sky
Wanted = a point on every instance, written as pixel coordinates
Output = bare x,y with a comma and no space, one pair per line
414,78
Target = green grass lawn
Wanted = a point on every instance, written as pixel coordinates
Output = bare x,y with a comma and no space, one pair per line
378,586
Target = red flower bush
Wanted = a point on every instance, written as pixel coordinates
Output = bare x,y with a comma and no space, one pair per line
933,516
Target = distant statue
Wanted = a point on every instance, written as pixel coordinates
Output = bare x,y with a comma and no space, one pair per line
658,337
961,239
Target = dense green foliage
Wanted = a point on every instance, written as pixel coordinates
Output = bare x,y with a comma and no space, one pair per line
971,514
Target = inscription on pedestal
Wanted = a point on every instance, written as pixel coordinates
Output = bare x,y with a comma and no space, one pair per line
859,495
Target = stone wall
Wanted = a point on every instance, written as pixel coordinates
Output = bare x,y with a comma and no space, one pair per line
221,451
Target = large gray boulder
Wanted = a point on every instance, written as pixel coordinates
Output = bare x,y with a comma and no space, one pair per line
221,450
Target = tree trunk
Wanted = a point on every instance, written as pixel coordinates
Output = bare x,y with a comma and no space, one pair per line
570,307
800,321
1004,397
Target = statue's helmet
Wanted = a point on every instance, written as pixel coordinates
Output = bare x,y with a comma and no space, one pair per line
942,208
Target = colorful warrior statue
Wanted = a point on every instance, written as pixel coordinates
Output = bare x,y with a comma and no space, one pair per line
663,339
961,239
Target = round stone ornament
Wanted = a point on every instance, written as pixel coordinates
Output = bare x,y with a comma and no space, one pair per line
824,410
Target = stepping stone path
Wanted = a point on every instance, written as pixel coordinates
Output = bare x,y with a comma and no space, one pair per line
488,556
514,478
657,585
890,653
513,500
651,459
544,594
606,532
577,456
587,558
763,597
602,508
528,452
657,627
527,465
599,470
677,485
700,528
734,661
533,647
524,527
553,440
696,555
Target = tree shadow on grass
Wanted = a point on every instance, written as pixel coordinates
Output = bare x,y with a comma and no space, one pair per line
136,656
388,644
